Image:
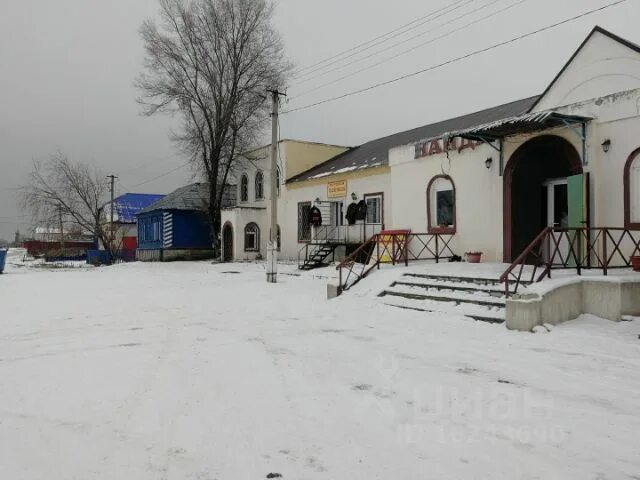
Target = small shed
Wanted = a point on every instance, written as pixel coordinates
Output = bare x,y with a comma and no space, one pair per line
176,227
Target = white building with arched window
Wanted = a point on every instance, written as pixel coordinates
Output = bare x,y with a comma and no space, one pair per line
489,181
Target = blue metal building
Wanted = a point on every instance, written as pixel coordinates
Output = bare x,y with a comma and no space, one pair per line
176,227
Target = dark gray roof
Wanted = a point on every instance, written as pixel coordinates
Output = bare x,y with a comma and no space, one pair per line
376,152
191,197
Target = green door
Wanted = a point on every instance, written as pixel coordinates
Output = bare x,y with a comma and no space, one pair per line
576,199
577,187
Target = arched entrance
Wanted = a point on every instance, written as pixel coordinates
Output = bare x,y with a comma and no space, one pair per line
227,243
536,190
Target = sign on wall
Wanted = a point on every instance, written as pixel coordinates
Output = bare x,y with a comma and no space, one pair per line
337,189
437,146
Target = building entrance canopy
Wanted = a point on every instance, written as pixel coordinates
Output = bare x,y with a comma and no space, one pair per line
527,123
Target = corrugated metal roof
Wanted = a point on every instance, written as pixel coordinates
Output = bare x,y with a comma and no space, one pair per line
526,123
127,206
191,197
376,153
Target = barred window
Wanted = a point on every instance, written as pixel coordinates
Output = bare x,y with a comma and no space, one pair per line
304,225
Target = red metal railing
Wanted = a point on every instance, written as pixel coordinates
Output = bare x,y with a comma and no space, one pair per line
392,248
572,248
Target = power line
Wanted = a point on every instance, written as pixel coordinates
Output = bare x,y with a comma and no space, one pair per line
376,38
412,49
455,60
161,175
374,43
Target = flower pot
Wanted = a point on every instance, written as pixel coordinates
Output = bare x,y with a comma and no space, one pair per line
635,263
474,257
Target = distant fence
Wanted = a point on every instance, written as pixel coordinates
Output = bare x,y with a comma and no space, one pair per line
38,248
103,257
65,258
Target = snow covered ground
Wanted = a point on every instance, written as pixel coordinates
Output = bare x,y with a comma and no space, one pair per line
201,371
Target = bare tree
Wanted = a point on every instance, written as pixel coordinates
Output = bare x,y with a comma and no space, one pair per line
60,191
211,62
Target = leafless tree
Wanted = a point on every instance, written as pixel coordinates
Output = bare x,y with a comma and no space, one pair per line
211,62
60,191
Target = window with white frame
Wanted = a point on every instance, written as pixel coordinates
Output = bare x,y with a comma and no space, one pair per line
441,205
375,205
259,186
244,188
251,238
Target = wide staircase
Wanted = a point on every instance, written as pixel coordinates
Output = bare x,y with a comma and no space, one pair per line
316,256
482,299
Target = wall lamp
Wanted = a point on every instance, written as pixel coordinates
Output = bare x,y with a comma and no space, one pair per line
606,145
488,162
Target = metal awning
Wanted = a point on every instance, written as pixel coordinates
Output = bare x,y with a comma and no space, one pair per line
493,133
527,123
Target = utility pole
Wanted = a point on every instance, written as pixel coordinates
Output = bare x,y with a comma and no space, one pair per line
111,226
272,248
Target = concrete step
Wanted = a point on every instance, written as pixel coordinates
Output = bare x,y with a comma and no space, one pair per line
476,312
492,291
461,281
444,297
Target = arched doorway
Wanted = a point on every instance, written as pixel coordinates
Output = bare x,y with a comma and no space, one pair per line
536,190
227,243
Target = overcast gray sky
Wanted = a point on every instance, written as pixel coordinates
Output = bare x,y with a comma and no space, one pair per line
67,68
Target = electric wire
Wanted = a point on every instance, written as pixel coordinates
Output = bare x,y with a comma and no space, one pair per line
412,49
391,47
368,42
454,60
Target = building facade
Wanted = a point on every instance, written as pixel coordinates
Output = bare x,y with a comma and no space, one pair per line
177,227
246,223
492,180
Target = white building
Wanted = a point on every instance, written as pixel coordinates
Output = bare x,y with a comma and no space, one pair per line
490,181
245,227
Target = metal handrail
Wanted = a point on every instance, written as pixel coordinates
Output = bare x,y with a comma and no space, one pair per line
393,248
584,248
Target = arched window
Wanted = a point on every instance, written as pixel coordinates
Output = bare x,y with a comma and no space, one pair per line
244,188
251,238
441,205
278,179
632,190
259,186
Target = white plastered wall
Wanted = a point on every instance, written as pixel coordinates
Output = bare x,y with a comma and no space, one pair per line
375,181
478,195
602,67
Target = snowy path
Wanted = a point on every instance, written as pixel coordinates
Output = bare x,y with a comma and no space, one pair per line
181,371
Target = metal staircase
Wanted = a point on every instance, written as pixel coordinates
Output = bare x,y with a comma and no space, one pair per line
316,255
